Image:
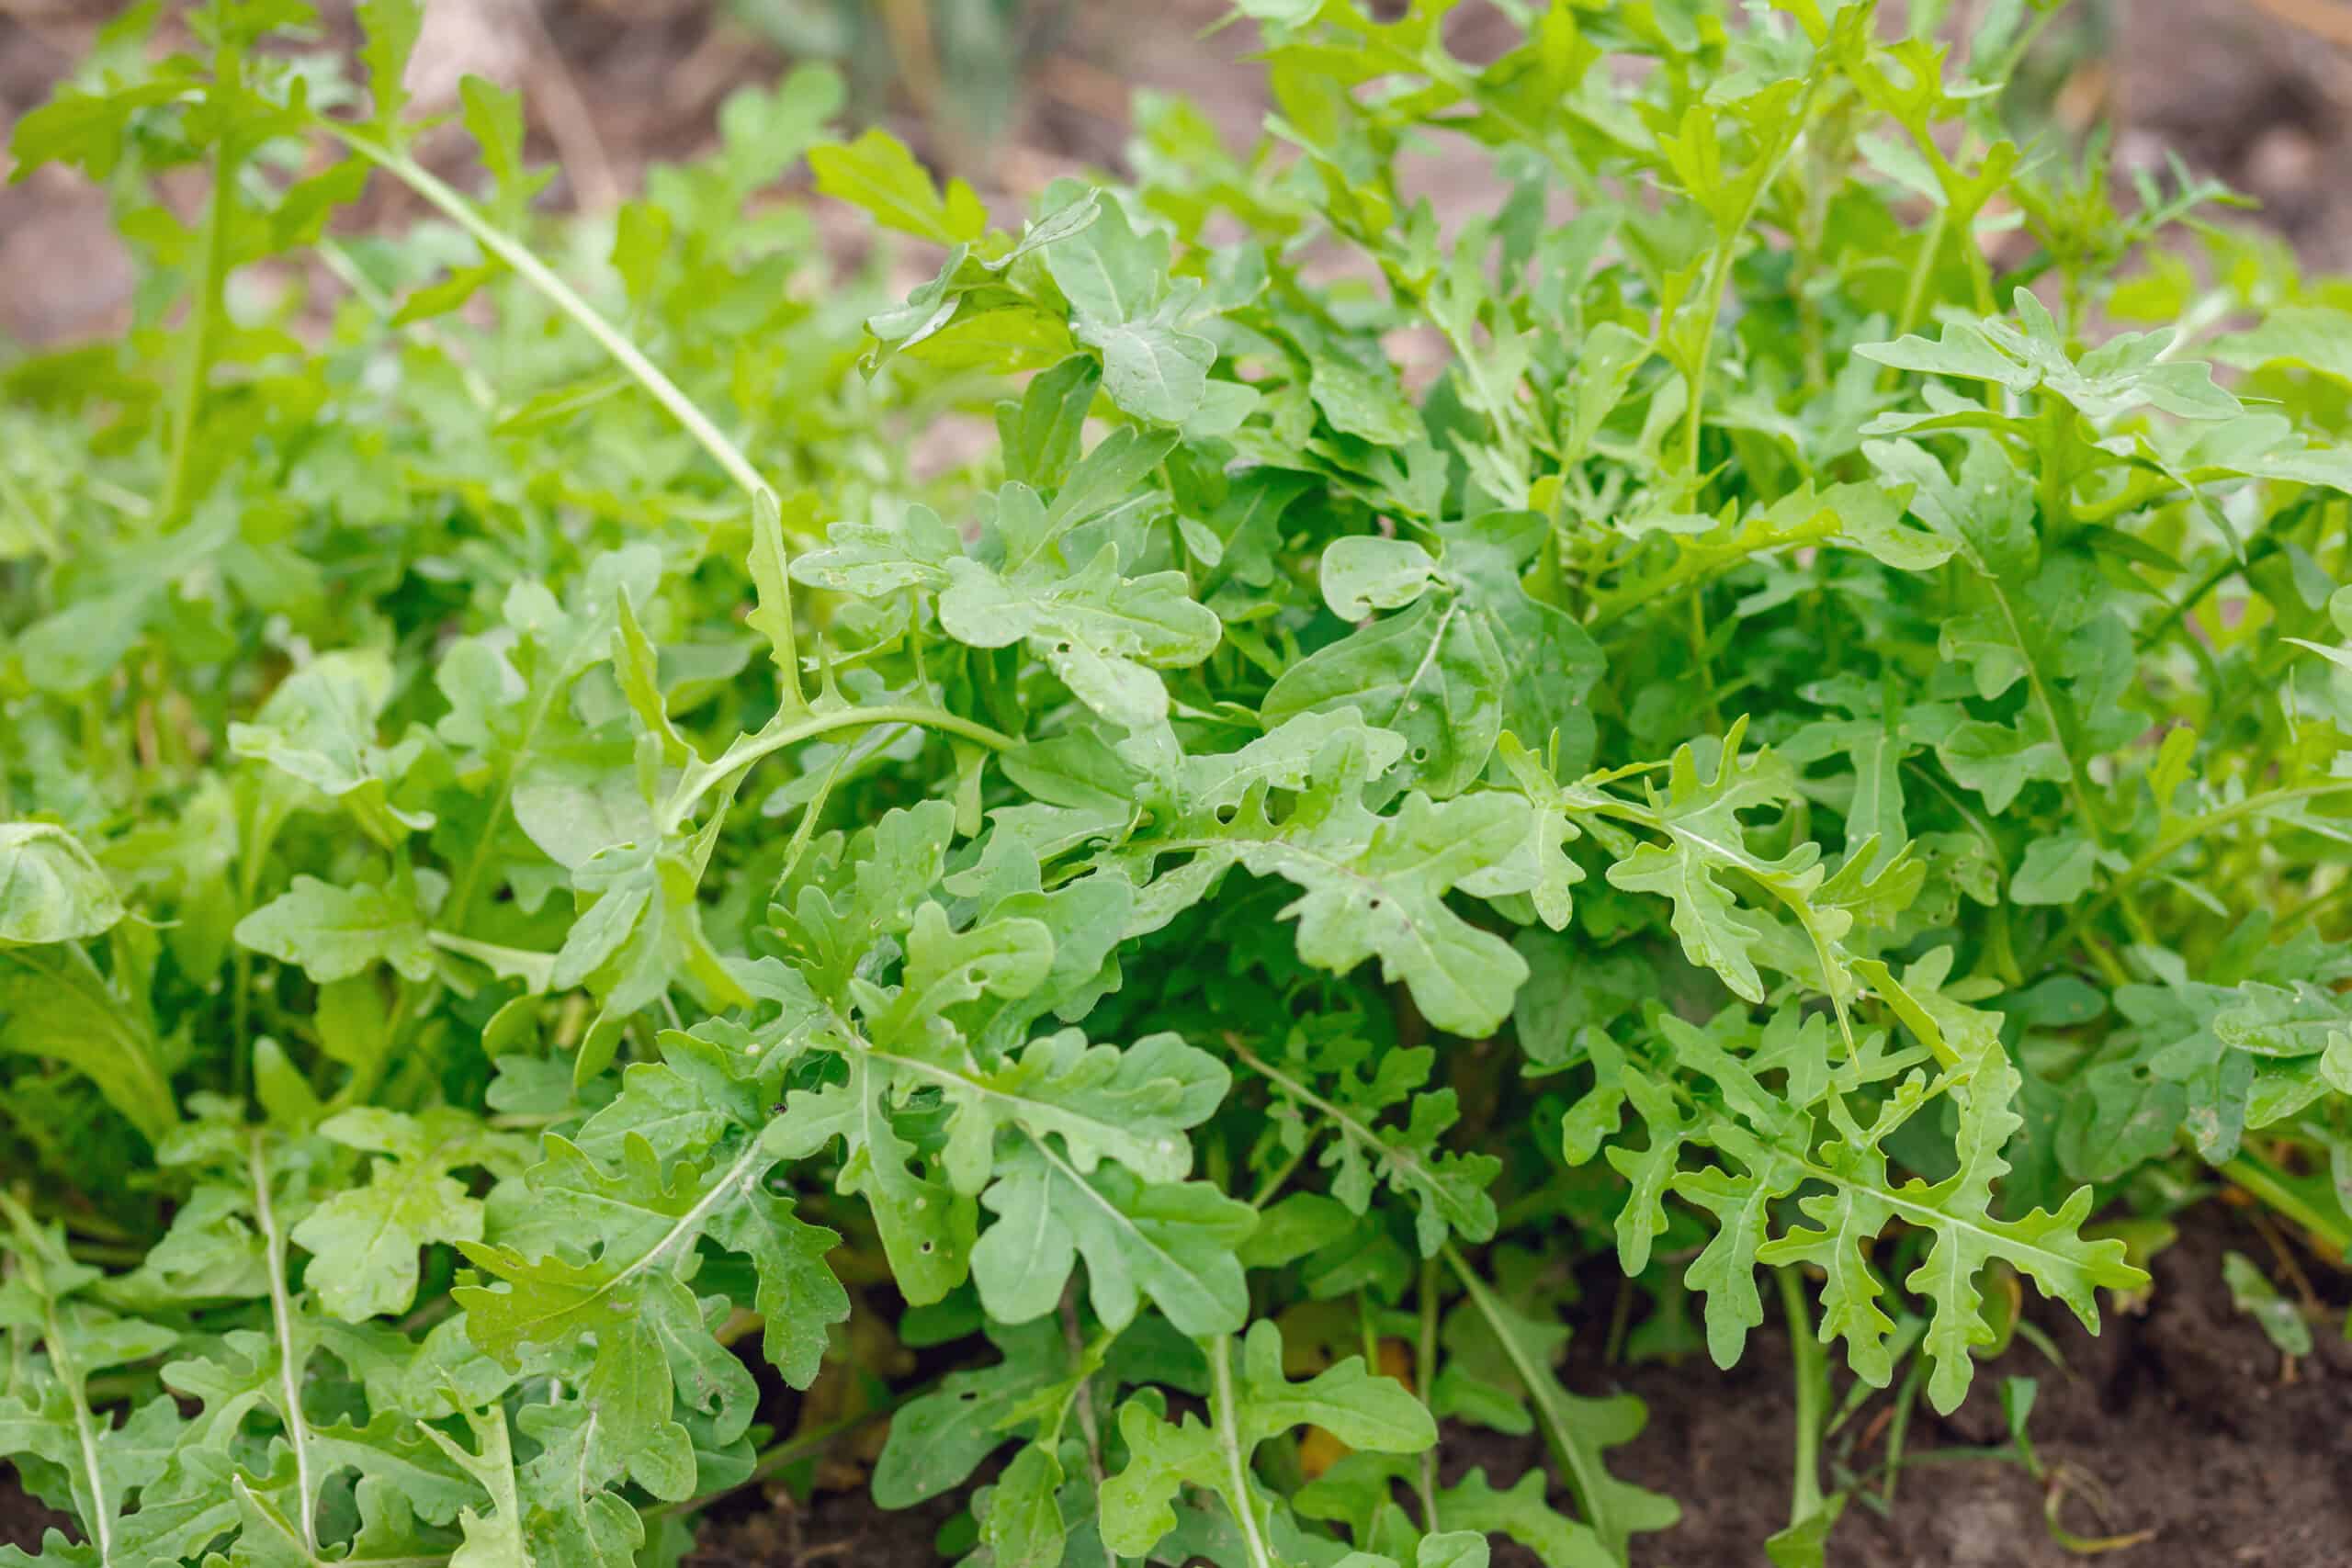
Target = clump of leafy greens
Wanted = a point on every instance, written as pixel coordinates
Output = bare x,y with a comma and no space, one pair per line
552,868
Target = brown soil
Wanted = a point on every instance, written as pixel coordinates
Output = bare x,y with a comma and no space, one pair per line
23,1522
2180,1426
2180,1421
2179,1430
2256,92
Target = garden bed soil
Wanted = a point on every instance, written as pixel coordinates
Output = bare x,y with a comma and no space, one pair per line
2180,1425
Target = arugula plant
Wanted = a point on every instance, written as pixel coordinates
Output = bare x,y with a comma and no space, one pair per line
1714,710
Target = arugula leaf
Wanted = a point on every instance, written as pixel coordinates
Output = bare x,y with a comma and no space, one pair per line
50,889
1359,1409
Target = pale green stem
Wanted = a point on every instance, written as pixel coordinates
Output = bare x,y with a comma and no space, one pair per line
1719,273
1224,1407
1813,1383
702,778
1424,1378
539,276
204,314
2182,835
289,1368
68,1371
2333,1233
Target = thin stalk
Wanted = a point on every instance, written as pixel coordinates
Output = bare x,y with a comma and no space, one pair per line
290,1370
539,276
260,833
2295,915
1348,1124
337,260
2021,46
1699,659
2332,1233
1999,952
204,315
1075,1343
1719,273
1621,1322
68,1371
2181,836
1813,218
13,497
1813,1387
1424,1379
1279,1175
1914,288
2057,510
1223,1407
2259,549
1898,1428
2077,776
461,895
699,780
1586,1478
1439,69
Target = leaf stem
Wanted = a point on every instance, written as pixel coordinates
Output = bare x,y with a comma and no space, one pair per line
2332,1233
461,893
204,314
1719,273
290,1371
1083,1399
1280,1176
1353,1127
1584,1477
699,779
1424,1379
2263,545
2077,776
1915,286
63,1361
1812,1388
539,276
336,257
2179,838
1224,1407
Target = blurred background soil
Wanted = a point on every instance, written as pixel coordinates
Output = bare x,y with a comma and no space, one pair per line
1011,93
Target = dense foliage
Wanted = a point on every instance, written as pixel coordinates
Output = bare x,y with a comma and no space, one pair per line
563,850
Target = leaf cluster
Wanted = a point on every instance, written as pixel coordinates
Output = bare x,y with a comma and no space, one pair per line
560,882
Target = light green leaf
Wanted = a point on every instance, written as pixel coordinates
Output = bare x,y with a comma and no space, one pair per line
877,173
365,1240
334,932
50,889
